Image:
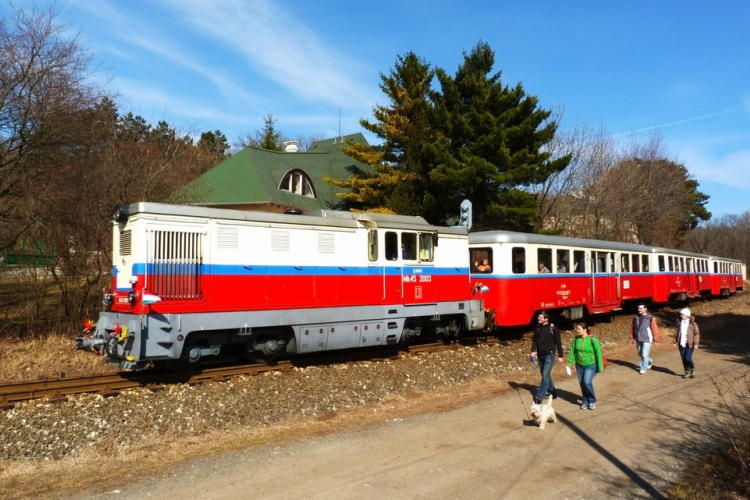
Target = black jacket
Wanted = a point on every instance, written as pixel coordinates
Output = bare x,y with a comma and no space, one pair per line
546,339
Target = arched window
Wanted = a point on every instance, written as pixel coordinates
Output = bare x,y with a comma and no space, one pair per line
297,182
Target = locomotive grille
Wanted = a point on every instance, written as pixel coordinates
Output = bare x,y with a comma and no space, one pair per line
177,258
125,242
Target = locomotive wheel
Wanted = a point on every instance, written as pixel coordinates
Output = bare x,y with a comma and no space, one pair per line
262,358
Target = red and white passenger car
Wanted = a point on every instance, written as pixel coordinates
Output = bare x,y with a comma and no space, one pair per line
582,277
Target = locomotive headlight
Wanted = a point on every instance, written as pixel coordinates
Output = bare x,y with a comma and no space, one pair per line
121,213
132,296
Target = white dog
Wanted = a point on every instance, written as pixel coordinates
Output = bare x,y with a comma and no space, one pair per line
543,413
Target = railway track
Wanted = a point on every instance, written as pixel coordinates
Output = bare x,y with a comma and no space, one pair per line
111,384
59,389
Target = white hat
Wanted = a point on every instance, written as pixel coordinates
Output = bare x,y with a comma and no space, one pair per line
686,312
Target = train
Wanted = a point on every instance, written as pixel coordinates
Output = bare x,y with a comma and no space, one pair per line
191,284
585,277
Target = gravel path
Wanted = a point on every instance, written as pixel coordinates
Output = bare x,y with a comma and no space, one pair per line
138,422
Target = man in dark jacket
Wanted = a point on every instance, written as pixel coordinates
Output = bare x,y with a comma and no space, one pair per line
543,345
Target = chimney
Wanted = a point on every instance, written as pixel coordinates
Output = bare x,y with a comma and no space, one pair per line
291,146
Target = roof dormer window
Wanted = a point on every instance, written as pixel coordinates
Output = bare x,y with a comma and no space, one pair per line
297,182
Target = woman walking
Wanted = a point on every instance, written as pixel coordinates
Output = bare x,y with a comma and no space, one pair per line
687,338
586,352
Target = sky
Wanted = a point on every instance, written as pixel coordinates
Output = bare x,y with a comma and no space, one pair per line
635,68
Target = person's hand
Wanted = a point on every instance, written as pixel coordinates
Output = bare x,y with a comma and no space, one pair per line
696,348
559,361
674,346
533,354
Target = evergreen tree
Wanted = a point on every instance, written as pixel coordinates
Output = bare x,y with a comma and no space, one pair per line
492,148
474,138
399,185
214,143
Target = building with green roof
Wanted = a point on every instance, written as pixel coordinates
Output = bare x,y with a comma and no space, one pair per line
274,181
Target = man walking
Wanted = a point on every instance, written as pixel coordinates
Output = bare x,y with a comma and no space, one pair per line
644,332
543,345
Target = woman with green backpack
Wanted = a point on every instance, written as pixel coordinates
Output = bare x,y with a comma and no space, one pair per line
586,353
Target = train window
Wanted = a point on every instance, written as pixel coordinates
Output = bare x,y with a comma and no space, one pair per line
391,245
625,263
409,246
481,260
544,259
579,261
519,260
661,264
426,250
372,245
644,261
600,259
671,263
563,259
682,264
636,263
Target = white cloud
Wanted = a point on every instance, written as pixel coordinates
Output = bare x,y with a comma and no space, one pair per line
153,39
171,104
729,169
280,47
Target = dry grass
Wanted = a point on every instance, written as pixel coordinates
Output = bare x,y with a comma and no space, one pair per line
723,473
46,356
34,344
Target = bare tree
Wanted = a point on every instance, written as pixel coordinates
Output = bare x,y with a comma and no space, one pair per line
571,200
727,237
631,194
44,82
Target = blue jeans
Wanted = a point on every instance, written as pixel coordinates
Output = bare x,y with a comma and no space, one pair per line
546,363
586,381
686,353
643,349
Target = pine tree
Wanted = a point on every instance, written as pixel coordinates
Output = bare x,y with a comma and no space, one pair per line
399,184
474,138
492,150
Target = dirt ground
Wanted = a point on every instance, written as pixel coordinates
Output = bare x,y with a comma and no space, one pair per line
477,440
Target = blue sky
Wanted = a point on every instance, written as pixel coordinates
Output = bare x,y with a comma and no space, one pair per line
630,66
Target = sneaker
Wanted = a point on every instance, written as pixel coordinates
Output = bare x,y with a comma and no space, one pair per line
687,375
592,407
692,373
650,365
584,407
642,372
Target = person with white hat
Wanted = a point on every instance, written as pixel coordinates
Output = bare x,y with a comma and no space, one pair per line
687,338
